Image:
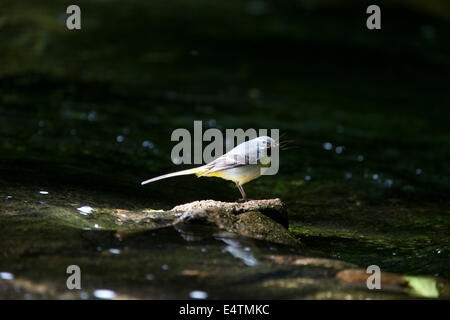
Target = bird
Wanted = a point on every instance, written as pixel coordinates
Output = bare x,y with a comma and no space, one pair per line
242,164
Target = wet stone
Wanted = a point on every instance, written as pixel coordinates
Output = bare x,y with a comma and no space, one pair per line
420,286
265,220
272,208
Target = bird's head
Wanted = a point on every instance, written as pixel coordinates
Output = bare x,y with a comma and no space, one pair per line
265,145
266,142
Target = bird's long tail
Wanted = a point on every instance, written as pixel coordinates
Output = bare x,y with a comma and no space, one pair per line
196,171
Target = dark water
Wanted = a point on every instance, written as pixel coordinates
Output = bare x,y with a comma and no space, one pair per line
86,115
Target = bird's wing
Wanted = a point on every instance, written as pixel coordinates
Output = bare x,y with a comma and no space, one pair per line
225,162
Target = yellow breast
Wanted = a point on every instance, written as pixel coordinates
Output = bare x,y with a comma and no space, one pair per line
241,175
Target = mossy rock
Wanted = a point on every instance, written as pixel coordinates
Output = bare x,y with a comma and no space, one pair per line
258,219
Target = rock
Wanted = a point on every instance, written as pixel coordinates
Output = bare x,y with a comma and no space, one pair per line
149,219
360,276
309,261
251,224
272,208
259,219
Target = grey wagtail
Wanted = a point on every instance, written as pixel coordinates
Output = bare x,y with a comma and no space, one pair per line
242,164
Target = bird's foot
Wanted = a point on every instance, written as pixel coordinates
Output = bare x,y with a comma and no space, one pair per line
242,200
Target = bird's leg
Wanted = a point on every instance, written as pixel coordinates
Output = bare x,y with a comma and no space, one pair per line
244,196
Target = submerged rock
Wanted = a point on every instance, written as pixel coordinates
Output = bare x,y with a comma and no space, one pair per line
420,286
309,261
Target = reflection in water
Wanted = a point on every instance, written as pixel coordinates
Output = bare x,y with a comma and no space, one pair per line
197,294
6,276
114,251
147,144
104,294
234,247
188,235
85,210
327,145
240,252
84,295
